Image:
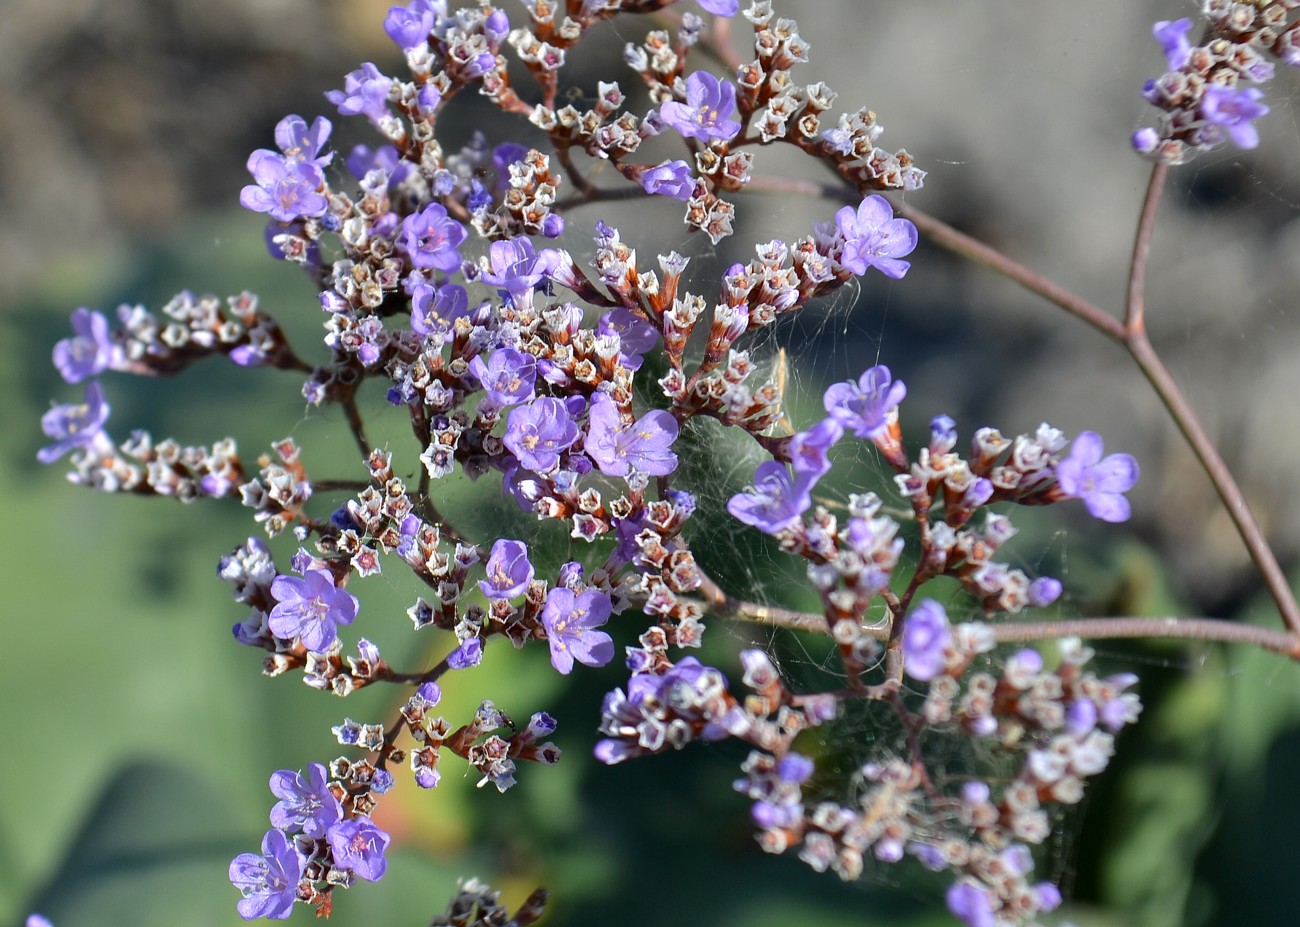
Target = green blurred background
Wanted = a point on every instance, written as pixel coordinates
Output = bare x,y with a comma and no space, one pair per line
140,736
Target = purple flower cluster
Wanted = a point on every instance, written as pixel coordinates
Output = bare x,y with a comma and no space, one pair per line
310,609
289,184
1202,97
311,835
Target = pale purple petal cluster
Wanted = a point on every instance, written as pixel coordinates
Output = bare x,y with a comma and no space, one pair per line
301,142
926,635
410,25
1231,109
364,93
775,502
1172,36
77,425
306,802
509,571
726,8
268,882
89,352
1099,482
285,188
636,336
539,432
810,449
709,113
620,449
517,267
970,904
310,608
864,407
508,376
431,239
570,619
359,847
435,309
671,178
874,238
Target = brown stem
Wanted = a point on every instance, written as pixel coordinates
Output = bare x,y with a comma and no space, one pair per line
1139,346
355,424
1205,629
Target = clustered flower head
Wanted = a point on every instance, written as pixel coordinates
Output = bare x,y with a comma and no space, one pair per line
581,377
1207,96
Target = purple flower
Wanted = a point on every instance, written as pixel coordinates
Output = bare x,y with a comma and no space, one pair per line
775,501
365,93
970,904
508,376
708,111
1098,482
864,407
90,350
620,449
306,802
386,158
721,7
508,570
570,619
310,608
1232,109
809,449
434,310
925,637
359,846
37,920
874,238
636,336
301,143
1172,36
671,178
537,433
410,26
516,267
1044,591
286,189
74,426
430,238
269,882
469,653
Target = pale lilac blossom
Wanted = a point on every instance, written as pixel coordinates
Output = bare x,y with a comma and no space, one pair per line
89,352
1099,482
539,432
620,449
285,189
359,847
310,608
709,111
364,93
671,178
77,425
775,502
1231,109
509,570
864,407
570,619
306,802
1172,36
268,882
431,238
874,238
926,635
